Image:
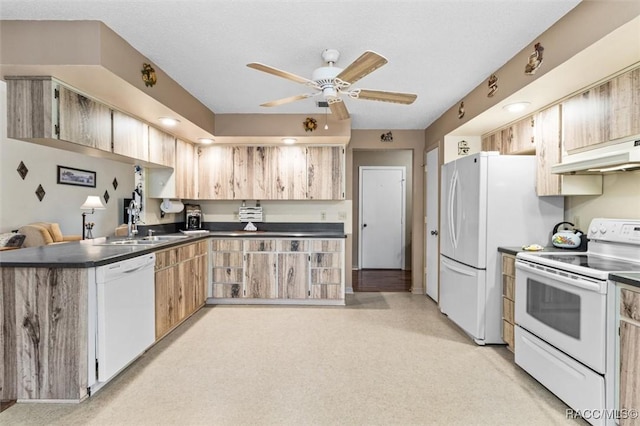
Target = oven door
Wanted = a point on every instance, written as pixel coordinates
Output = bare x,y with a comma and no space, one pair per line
565,310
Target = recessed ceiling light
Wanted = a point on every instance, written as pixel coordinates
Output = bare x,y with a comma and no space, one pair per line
516,106
168,121
289,141
205,141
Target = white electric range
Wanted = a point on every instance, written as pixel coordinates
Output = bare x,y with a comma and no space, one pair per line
565,319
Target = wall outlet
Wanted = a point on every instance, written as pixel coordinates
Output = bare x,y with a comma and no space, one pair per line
323,215
342,215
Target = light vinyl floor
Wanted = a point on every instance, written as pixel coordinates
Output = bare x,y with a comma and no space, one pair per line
384,359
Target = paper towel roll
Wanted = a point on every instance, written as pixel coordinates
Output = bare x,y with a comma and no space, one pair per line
171,206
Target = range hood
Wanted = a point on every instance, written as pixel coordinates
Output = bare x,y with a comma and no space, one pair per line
623,155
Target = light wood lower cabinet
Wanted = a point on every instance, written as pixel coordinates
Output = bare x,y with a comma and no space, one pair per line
629,350
277,270
508,299
180,280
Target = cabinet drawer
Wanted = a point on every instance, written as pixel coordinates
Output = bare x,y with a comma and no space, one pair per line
226,245
226,259
202,247
227,275
508,265
326,245
507,335
259,245
326,291
326,276
166,258
326,260
630,304
508,287
293,245
227,291
508,308
186,252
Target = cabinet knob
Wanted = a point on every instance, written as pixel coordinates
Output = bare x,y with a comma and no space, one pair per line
364,225
434,232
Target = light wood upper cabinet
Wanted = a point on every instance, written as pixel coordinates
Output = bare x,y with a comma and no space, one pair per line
162,147
522,140
325,173
289,173
83,121
215,173
186,173
625,105
549,152
492,142
252,172
130,137
586,118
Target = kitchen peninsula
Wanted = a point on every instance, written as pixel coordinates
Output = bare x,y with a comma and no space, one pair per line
52,303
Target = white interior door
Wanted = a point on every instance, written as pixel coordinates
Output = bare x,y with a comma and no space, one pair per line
382,209
432,224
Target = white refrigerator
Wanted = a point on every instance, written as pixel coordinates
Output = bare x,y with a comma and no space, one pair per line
487,200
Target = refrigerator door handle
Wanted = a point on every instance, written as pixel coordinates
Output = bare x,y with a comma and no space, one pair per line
454,268
452,194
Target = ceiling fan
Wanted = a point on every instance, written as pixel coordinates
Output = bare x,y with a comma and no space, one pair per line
332,82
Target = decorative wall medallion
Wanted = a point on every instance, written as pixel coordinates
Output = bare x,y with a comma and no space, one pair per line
115,183
493,85
22,170
106,196
386,137
461,110
535,60
40,192
148,75
463,148
310,124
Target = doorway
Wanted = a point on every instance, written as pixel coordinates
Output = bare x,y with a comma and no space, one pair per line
382,199
432,223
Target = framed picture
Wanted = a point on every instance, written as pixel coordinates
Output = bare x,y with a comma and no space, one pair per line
70,176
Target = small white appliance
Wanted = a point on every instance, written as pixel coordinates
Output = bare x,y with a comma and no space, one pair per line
488,200
565,314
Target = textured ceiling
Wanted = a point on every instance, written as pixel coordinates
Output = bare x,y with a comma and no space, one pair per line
439,50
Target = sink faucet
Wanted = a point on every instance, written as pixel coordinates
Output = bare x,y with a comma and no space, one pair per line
134,215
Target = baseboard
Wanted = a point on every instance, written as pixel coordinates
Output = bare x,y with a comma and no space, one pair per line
348,290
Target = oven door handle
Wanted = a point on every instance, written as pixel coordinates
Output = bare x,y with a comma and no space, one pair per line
542,271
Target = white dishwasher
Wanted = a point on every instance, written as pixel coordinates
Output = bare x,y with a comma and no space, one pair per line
125,313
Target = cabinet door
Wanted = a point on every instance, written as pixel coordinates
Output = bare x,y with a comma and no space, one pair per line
260,275
162,147
83,121
547,137
293,275
215,173
629,368
325,173
289,171
167,300
522,140
130,137
585,118
625,105
185,171
252,173
492,142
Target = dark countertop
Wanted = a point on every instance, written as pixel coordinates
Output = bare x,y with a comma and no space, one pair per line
91,253
515,250
631,278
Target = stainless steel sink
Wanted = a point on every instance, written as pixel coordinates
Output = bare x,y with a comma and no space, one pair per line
127,243
161,238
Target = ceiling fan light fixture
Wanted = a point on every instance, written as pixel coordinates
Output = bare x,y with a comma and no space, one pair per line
329,92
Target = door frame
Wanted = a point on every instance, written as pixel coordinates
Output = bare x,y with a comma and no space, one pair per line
403,213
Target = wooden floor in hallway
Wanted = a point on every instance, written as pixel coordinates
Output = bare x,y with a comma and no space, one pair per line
381,280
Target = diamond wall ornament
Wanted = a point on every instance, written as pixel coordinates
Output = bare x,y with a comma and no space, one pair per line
115,183
106,196
40,192
22,170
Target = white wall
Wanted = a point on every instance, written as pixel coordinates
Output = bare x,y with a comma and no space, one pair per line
19,204
451,146
620,200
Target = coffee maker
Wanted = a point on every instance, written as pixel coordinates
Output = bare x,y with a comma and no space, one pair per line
193,216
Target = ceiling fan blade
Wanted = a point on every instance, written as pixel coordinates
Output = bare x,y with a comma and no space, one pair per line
279,73
367,63
379,95
339,109
286,100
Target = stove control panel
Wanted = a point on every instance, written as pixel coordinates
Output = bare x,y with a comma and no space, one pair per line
615,230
